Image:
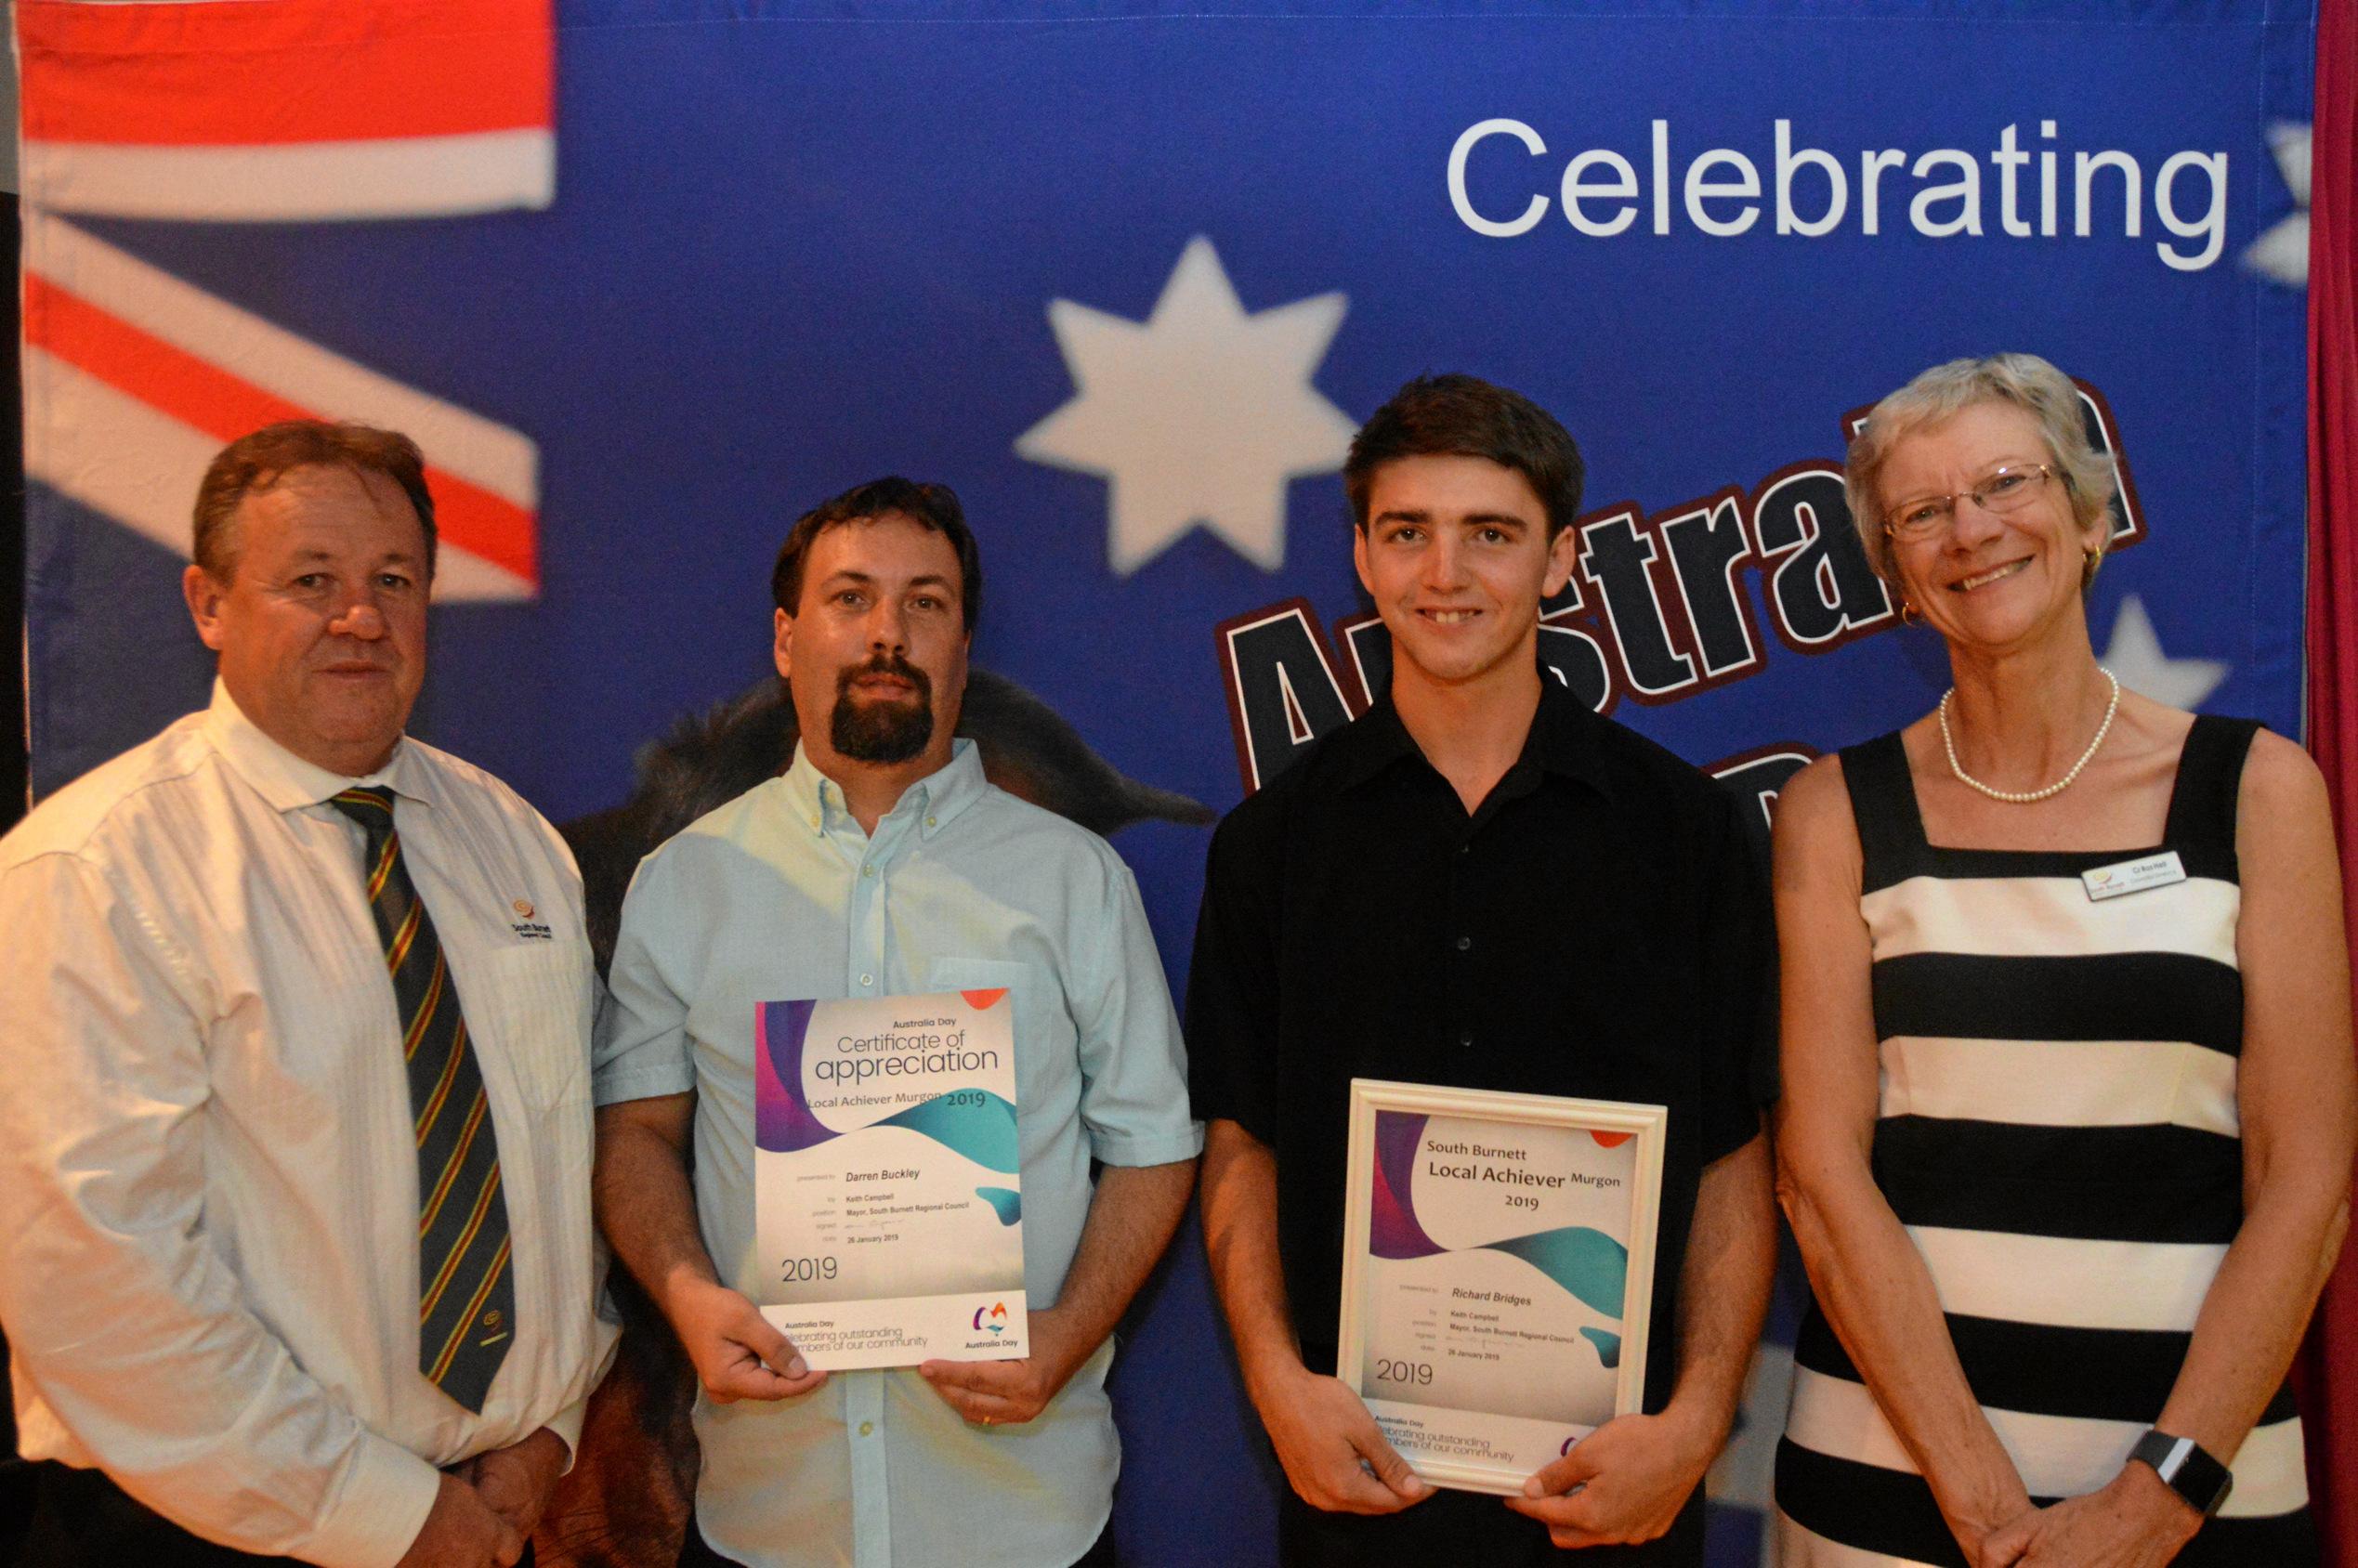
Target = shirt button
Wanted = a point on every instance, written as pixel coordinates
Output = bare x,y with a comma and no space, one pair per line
867,1429
1466,1039
868,870
867,979
1464,942
932,822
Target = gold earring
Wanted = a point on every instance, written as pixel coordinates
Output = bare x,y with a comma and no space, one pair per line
1909,615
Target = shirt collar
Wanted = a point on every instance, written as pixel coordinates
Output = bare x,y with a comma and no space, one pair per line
1373,743
1565,737
818,801
1561,740
286,780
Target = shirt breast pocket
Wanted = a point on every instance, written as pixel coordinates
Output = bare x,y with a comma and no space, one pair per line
1047,1064
532,1026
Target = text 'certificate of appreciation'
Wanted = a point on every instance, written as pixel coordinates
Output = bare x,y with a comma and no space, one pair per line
887,1194
1498,1272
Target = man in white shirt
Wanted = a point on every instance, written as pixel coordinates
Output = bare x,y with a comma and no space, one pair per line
883,864
299,1260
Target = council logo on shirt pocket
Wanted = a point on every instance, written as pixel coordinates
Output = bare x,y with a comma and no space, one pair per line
527,923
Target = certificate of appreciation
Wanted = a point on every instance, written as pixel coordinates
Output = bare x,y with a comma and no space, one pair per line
887,1194
1498,1272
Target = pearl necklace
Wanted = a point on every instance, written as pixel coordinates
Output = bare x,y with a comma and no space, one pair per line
2024,797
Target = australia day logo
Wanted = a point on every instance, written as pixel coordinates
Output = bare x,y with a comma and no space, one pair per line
995,1312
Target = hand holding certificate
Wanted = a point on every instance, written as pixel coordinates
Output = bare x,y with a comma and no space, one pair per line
888,1209
1498,1272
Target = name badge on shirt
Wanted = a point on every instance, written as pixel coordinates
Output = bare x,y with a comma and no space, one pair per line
2134,876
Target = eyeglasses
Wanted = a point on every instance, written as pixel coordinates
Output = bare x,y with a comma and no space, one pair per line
2000,491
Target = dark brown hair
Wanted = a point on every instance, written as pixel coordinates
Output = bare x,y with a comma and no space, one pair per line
1465,417
929,506
253,464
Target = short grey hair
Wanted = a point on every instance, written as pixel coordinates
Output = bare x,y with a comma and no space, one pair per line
2026,381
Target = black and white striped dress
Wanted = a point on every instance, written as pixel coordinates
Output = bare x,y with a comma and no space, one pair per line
2058,1132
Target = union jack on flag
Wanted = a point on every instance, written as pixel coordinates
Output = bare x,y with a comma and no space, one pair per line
265,110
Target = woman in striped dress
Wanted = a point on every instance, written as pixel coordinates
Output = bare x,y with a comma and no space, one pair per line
2069,1112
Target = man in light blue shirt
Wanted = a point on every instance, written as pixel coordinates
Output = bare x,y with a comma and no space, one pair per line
882,863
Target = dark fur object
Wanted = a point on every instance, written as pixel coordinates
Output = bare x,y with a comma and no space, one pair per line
627,1501
711,758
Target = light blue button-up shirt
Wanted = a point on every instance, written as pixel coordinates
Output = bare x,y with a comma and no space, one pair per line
780,894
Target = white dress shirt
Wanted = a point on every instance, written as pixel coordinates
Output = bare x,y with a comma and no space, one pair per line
780,894
208,1177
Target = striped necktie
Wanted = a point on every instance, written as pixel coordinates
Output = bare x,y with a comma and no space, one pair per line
466,1293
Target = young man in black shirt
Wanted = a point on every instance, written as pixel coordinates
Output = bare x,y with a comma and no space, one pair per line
1480,883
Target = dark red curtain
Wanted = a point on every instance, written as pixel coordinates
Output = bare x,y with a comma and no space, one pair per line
2329,1362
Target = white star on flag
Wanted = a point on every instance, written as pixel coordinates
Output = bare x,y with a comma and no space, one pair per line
1196,416
2283,252
2137,658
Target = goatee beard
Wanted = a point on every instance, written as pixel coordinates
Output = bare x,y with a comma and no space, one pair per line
883,731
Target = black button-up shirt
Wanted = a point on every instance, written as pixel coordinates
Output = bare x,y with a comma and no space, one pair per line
1599,927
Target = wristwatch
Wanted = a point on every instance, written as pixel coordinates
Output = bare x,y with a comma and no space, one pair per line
2186,1470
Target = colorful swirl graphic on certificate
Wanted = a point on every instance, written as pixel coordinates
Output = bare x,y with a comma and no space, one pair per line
888,1198
1493,1286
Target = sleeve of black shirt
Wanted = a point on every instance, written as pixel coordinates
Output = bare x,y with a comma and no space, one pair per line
1740,989
1231,980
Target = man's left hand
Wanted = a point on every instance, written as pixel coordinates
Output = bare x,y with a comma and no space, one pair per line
1002,1393
515,1482
1622,1484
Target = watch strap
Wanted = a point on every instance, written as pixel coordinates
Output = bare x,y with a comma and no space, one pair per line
2186,1470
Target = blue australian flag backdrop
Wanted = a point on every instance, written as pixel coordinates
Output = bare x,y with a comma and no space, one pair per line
649,280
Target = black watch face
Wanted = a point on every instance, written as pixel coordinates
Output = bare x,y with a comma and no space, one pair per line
2186,1470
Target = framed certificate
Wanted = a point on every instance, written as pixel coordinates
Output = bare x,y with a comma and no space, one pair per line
887,1188
1498,1272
